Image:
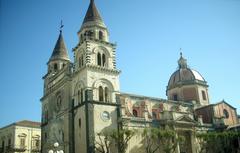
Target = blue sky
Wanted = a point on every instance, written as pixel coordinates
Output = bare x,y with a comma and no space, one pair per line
148,33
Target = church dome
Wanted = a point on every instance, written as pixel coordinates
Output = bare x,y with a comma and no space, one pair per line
185,75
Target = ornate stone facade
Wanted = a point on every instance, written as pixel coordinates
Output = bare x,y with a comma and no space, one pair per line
82,98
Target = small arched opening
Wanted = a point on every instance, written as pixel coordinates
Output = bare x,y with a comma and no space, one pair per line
100,90
103,60
106,94
135,113
99,59
100,35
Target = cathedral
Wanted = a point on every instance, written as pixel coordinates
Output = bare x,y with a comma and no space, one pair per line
82,97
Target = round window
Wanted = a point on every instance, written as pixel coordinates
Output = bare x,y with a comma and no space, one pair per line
105,116
225,113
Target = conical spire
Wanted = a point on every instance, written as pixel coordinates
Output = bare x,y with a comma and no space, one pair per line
60,51
92,14
182,62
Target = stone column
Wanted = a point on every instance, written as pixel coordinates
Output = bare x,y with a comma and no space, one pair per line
193,142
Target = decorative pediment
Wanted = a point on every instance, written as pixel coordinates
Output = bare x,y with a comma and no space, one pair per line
137,104
156,105
185,118
22,135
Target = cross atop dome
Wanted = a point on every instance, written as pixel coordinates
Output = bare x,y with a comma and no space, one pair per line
182,62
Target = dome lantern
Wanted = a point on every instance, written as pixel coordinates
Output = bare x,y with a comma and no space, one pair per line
182,62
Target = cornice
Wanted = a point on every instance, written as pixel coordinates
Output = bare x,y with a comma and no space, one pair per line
100,42
192,82
98,69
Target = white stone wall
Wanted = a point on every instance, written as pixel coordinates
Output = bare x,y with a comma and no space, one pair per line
16,132
80,131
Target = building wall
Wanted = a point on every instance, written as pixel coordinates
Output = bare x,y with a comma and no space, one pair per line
56,124
189,93
6,135
206,113
31,135
80,130
222,108
16,133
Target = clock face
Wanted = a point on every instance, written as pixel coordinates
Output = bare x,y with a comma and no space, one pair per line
105,116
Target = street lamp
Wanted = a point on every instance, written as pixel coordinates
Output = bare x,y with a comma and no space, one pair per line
55,150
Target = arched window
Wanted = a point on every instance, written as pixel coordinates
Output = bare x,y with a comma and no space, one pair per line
22,141
135,113
103,60
90,34
79,62
175,97
82,60
81,38
79,96
99,59
204,95
37,143
106,94
55,67
100,35
100,93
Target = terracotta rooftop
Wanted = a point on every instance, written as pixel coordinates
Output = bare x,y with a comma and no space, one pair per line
25,123
28,123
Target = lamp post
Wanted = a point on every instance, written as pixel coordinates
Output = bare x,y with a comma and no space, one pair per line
55,149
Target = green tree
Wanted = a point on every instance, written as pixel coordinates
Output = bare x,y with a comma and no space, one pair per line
113,137
169,140
218,142
121,138
103,142
151,139
164,139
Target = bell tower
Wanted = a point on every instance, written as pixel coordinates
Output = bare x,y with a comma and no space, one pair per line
56,98
94,58
95,81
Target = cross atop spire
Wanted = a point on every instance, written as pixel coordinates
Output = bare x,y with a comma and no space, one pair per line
61,26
